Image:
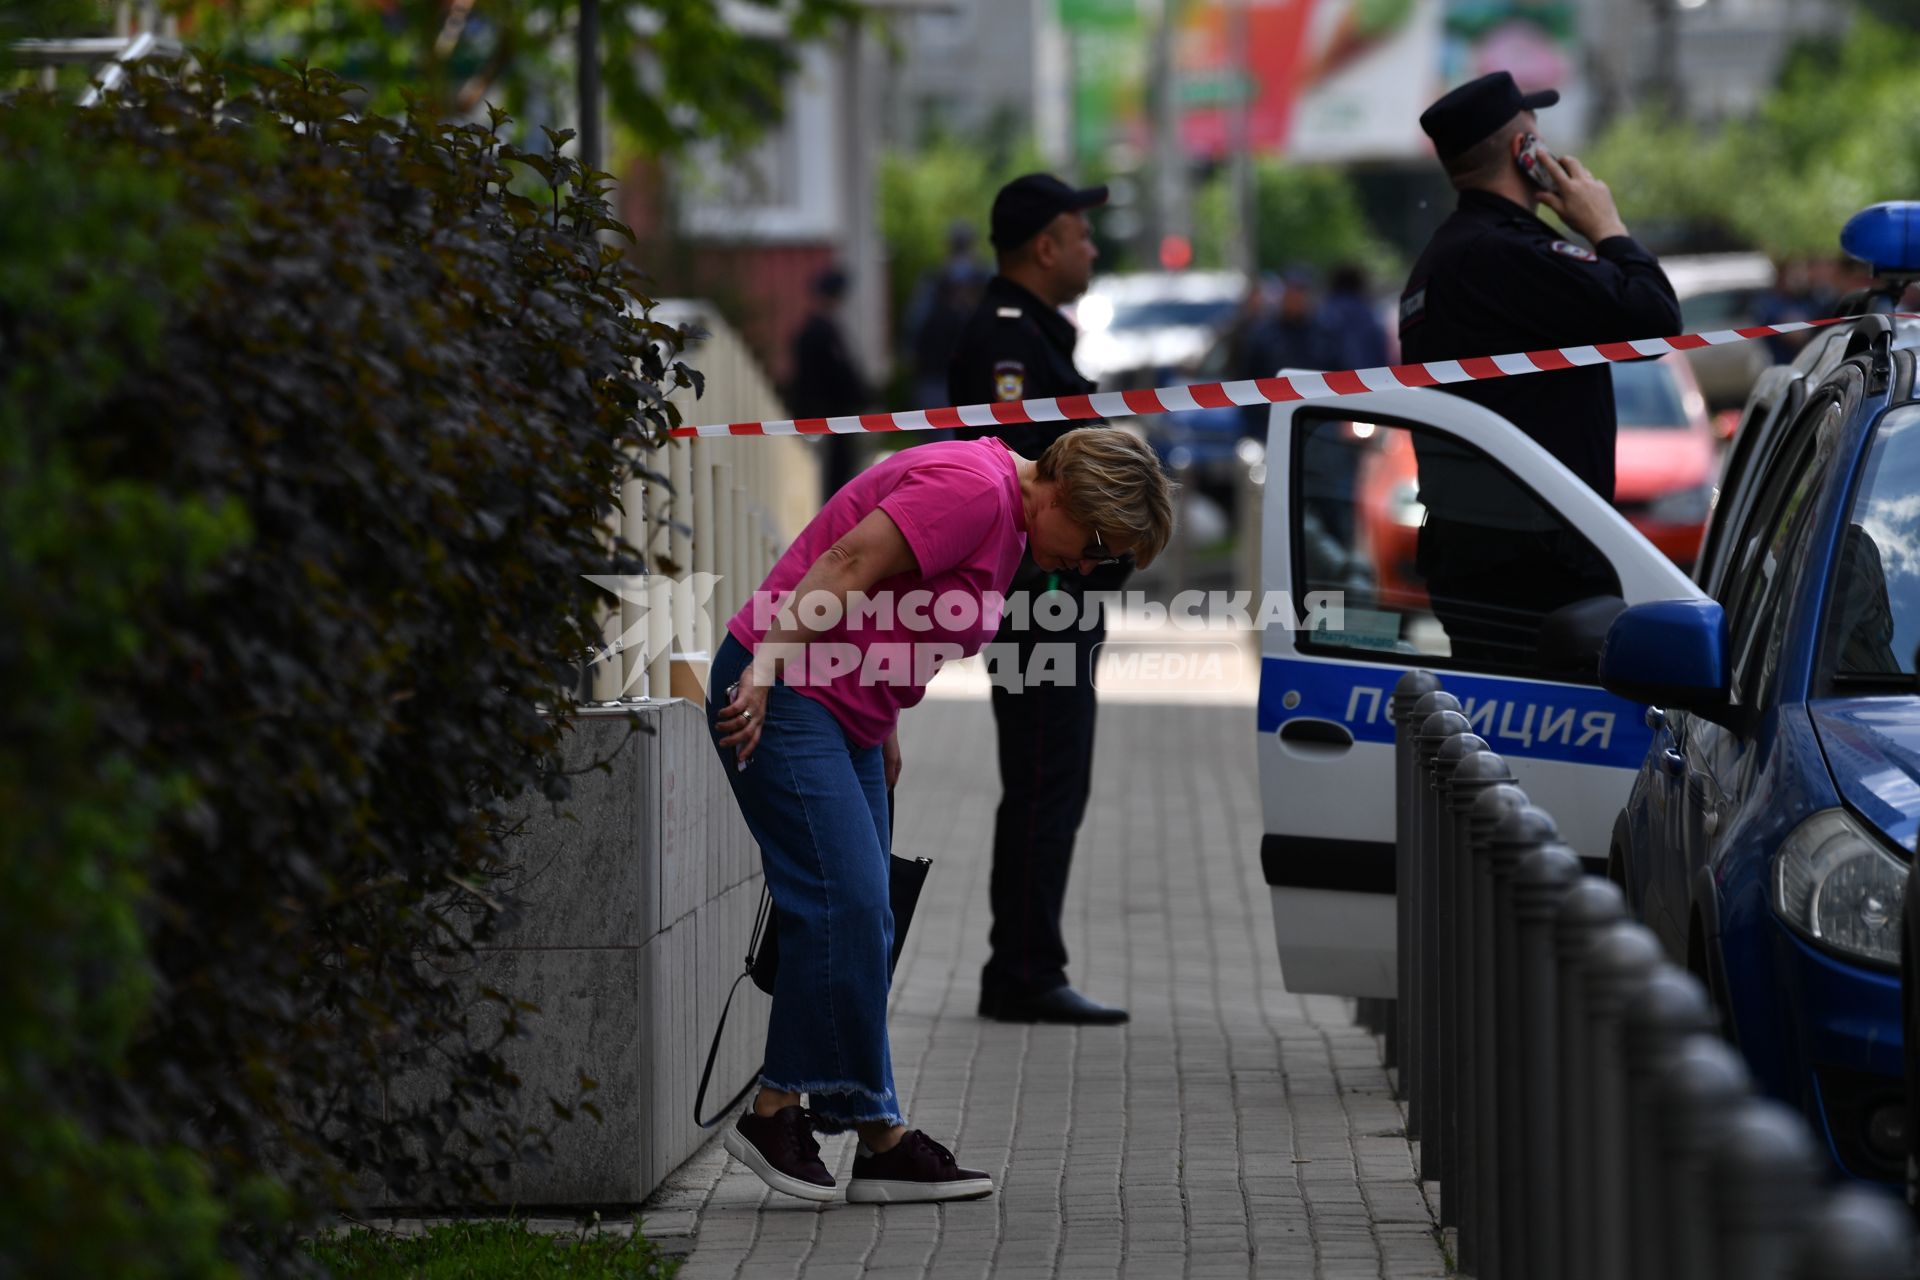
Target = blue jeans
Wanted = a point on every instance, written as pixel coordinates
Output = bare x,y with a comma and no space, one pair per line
817,805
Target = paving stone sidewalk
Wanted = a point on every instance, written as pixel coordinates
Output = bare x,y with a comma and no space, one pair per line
1232,1129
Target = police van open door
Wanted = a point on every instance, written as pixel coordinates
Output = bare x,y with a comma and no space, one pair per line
1504,594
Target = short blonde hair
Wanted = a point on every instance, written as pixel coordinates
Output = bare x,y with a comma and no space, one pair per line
1110,481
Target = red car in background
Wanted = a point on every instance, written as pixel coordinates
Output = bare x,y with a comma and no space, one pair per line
1665,460
1667,455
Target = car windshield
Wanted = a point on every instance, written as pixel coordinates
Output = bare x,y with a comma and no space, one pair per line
1646,394
1873,622
1164,313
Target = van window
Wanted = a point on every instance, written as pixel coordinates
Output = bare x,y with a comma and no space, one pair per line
1436,550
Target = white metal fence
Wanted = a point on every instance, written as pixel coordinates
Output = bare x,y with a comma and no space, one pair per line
732,507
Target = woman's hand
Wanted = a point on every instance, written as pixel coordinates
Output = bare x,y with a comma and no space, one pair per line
890,757
744,718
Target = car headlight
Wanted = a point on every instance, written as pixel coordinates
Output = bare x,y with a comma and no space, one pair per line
1683,506
1835,883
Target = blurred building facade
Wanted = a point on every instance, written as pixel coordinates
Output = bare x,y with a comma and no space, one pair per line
1710,60
752,232
980,68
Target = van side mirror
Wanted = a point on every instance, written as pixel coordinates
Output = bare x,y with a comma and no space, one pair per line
1672,654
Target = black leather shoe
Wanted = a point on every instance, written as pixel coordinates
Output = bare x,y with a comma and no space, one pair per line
1062,1004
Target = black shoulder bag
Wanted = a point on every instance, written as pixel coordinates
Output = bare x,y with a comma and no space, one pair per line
905,878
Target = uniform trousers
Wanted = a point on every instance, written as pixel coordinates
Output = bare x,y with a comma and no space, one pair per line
1045,731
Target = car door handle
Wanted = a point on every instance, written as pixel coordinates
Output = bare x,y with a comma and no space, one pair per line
1310,737
1673,762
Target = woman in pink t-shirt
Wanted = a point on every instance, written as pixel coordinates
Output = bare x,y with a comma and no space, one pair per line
902,570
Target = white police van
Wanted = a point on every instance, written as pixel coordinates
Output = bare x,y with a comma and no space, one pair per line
1343,513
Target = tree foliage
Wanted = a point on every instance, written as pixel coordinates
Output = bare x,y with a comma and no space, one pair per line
675,71
1305,215
1835,136
923,193
311,424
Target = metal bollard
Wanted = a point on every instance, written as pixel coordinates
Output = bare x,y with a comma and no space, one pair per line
1589,908
1435,728
1670,1006
1703,1085
1541,882
1858,1234
1474,771
1422,1042
1763,1172
1454,1191
1401,1060
1499,847
1620,961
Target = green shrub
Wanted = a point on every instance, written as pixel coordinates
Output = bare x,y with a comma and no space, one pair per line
1787,179
491,1251
1303,215
80,555
311,428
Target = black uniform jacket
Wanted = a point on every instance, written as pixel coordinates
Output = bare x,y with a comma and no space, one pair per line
1495,279
1016,347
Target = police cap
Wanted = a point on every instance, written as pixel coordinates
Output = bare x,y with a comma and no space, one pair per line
1471,113
1027,204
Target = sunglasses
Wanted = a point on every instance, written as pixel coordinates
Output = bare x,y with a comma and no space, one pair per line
1099,553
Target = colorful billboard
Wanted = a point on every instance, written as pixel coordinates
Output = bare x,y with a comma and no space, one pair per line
1346,80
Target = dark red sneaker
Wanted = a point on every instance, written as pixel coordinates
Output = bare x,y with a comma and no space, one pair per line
780,1148
917,1169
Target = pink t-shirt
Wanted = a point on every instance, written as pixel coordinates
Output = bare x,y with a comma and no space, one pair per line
958,505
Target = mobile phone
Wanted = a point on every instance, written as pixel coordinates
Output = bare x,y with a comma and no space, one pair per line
1533,166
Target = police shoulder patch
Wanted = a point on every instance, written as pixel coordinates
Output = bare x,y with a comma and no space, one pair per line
1413,306
1575,251
1009,380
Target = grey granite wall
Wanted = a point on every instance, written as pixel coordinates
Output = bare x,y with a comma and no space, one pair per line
638,901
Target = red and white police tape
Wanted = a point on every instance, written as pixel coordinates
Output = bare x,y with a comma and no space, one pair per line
1252,391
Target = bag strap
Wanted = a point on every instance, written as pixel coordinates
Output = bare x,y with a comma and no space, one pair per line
713,1051
760,921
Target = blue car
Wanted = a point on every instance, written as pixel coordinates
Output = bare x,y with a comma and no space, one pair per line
1769,833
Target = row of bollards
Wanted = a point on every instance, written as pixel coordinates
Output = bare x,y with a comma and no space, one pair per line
1567,1085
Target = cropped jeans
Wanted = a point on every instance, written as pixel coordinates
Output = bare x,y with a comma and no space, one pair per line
817,805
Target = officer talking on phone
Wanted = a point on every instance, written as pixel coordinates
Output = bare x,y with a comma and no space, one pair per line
1496,279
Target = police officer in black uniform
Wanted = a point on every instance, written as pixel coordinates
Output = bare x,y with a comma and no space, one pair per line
1496,279
1018,346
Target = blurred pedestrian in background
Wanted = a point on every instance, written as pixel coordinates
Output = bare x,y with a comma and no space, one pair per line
1257,310
1291,338
938,313
1792,298
826,380
1352,333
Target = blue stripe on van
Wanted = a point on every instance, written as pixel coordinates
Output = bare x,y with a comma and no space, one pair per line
1526,719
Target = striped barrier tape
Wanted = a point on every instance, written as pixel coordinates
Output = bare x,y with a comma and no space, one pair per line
1255,391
